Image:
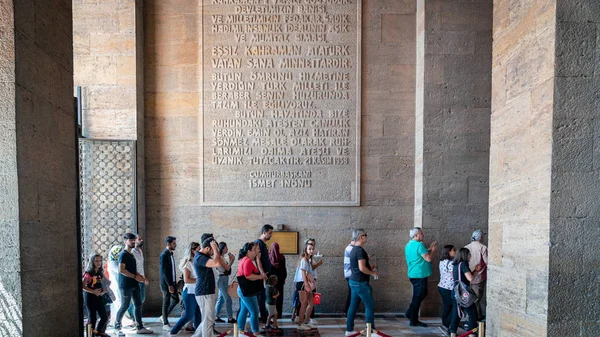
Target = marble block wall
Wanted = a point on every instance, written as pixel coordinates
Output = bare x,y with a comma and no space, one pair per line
39,274
453,123
172,139
521,167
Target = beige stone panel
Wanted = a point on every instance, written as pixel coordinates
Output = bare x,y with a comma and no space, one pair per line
172,104
110,97
370,169
223,217
180,192
397,28
81,44
126,16
372,126
385,102
394,78
103,69
398,126
172,55
112,44
7,56
394,6
166,29
126,70
99,16
161,79
109,124
171,6
389,54
189,78
163,127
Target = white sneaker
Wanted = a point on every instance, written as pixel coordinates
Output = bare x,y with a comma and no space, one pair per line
167,327
144,331
310,325
119,332
313,321
303,327
160,319
350,333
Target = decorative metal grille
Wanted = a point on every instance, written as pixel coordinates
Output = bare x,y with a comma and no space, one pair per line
108,193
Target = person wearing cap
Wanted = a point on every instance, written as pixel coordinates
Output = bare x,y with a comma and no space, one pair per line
479,257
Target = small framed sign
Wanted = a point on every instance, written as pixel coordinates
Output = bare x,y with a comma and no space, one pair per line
288,242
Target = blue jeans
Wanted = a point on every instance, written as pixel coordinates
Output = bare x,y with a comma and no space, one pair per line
223,283
131,309
191,311
127,295
248,305
364,292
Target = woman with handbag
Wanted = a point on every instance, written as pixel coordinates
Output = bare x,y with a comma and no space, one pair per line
251,283
223,284
191,308
462,273
305,284
446,284
94,294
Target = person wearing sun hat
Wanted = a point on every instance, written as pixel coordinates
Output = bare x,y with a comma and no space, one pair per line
479,257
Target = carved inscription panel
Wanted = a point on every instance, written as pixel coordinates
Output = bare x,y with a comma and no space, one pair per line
281,102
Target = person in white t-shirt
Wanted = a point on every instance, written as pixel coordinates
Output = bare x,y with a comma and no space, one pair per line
192,311
479,257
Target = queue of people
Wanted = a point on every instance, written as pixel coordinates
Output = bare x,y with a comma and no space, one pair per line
261,276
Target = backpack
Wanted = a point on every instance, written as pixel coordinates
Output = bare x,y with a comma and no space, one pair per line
463,294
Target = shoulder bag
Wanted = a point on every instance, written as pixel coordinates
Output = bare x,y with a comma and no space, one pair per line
250,288
464,295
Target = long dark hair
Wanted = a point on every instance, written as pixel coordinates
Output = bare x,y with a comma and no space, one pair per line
446,252
222,246
248,246
89,267
461,256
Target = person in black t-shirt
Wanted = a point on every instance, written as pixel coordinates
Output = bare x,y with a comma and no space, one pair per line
461,271
207,258
359,281
264,266
129,287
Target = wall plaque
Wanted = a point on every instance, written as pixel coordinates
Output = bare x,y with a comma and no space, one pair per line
288,242
280,115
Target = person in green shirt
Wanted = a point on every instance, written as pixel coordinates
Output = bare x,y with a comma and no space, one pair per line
418,261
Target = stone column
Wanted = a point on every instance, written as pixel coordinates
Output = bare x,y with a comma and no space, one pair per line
544,199
109,66
452,122
38,177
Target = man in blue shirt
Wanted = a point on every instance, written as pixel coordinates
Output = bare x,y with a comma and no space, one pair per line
418,261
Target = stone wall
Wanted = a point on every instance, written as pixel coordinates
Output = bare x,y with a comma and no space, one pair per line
172,99
453,132
575,199
108,65
10,267
39,268
521,167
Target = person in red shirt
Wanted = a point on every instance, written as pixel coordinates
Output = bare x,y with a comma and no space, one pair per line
94,293
248,269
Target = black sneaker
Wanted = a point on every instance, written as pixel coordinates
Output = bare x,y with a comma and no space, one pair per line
219,320
418,323
231,320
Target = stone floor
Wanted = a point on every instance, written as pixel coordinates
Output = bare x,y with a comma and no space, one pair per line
393,325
